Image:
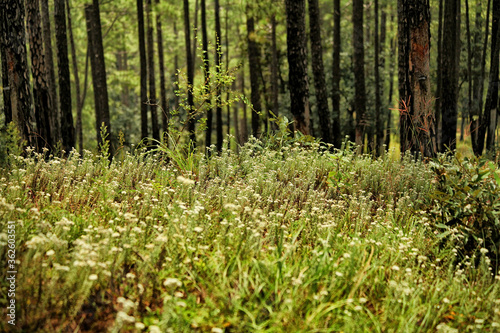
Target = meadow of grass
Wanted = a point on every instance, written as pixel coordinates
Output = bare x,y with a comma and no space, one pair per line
284,237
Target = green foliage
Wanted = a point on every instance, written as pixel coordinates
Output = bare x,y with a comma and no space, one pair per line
281,236
11,145
466,204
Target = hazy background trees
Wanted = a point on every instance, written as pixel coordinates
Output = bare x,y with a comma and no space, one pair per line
331,66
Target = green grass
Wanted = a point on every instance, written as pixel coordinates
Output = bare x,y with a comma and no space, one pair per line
286,239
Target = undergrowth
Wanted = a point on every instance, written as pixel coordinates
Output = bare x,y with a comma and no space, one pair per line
281,236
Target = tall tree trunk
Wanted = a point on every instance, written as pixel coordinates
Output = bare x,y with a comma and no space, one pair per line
274,71
218,93
55,115
385,111
439,80
40,91
143,71
14,46
206,70
337,134
253,61
195,34
319,71
491,103
379,129
98,72
79,97
176,69
469,69
450,66
153,107
163,83
414,59
190,76
67,127
297,63
359,71
7,106
226,38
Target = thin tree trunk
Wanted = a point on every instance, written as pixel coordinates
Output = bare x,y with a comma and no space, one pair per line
176,69
67,127
244,121
226,37
379,130
439,80
337,134
7,106
195,34
143,71
297,61
274,71
55,116
469,69
40,91
206,70
385,111
153,108
359,71
253,61
319,71
161,65
218,93
190,76
451,44
491,103
79,97
98,73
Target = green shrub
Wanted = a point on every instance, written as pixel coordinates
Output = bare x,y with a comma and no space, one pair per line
466,205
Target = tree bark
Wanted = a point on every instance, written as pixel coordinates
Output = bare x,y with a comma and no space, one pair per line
7,106
14,46
253,61
143,71
190,76
98,73
297,62
450,66
79,97
274,71
163,83
152,103
359,71
218,92
55,115
379,128
40,91
67,127
319,71
206,70
337,134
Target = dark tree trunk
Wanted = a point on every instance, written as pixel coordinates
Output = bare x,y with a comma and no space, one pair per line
40,91
491,103
143,71
319,71
98,72
218,93
379,127
359,71
450,67
337,134
253,61
55,115
206,70
152,103
195,34
469,69
163,82
14,46
67,127
190,76
414,82
79,97
439,73
7,106
274,71
297,62
176,69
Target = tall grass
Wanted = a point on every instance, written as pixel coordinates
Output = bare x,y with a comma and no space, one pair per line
287,237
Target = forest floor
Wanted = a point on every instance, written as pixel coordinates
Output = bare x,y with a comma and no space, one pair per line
278,237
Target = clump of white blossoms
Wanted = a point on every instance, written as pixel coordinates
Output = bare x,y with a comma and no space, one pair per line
172,283
185,180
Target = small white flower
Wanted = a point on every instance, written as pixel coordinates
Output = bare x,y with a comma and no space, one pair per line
198,229
185,180
395,268
50,253
154,329
484,250
217,330
93,277
172,283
